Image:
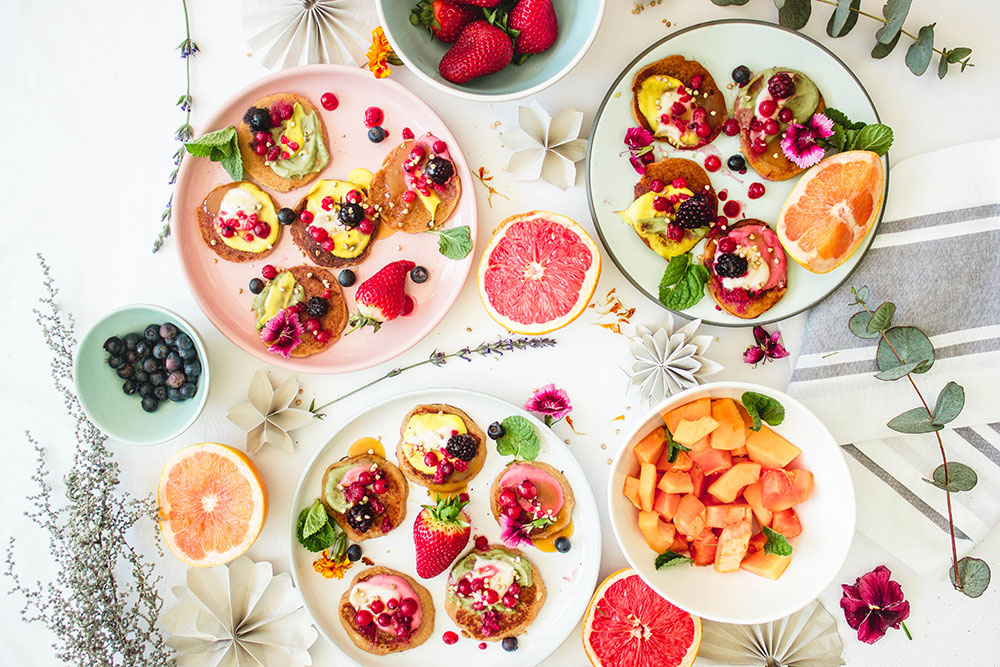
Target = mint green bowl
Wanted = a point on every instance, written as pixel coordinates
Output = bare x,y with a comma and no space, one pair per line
100,389
578,24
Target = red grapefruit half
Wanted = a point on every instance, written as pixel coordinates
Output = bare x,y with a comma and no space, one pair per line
538,272
629,625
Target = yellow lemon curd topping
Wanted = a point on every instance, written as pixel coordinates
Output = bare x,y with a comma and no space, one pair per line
241,208
651,224
657,95
429,432
324,200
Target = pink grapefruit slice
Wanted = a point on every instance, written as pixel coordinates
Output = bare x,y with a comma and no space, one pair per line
538,272
629,625
212,504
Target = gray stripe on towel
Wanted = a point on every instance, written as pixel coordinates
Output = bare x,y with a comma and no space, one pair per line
979,442
909,496
942,218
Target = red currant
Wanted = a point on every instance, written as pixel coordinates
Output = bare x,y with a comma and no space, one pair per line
380,486
439,147
306,216
712,163
373,116
329,101
755,191
366,227
731,128
377,606
785,115
727,245
363,618
322,336
767,108
268,271
408,606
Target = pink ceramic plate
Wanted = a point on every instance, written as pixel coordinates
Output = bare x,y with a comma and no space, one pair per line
220,287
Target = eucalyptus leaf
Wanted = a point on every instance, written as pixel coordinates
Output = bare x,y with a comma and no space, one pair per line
950,402
895,12
919,55
726,3
910,344
882,317
914,421
898,372
958,53
882,50
844,17
943,65
960,478
860,294
858,325
794,14
974,575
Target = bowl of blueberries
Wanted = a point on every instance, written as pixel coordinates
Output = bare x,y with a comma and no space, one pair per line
141,374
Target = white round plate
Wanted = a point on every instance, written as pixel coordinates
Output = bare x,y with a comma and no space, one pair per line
569,578
719,46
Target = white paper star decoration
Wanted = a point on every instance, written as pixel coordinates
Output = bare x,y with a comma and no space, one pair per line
545,146
665,361
266,415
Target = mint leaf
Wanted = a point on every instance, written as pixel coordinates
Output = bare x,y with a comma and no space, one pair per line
321,539
776,543
671,557
762,407
218,138
837,116
519,440
675,270
876,138
315,519
673,447
220,146
233,164
454,243
688,289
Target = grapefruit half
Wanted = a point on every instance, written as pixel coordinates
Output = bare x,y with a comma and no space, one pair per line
538,272
629,625
831,209
212,504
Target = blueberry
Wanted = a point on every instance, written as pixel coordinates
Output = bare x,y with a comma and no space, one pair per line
346,277
187,353
114,345
184,342
158,378
152,333
188,390
354,552
116,361
173,362
286,216
418,274
563,545
160,393
495,430
131,356
131,340
736,163
741,74
141,376
174,394
160,350
129,387
509,644
145,389
376,134
256,285
168,331
192,368
125,372
175,380
150,403
150,365
143,349
260,120
351,214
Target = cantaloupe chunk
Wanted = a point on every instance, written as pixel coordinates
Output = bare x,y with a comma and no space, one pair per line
770,566
711,460
690,432
690,411
665,504
733,544
648,449
739,451
747,419
675,482
682,462
781,489
701,444
720,516
697,481
680,544
689,517
732,482
703,547
730,433
647,486
802,482
667,532
631,490
769,449
757,542
751,494
649,526
787,523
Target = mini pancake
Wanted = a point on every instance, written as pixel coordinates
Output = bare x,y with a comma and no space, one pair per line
394,499
255,164
388,187
457,480
386,643
312,248
315,281
705,95
756,303
207,214
565,514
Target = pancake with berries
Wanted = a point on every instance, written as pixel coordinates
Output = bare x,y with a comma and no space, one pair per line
530,500
385,611
334,224
675,206
238,222
440,447
747,267
283,141
776,112
300,311
418,186
494,592
677,100
365,495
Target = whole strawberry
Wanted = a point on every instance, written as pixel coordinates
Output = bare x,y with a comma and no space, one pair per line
444,19
440,534
480,49
382,297
481,3
536,21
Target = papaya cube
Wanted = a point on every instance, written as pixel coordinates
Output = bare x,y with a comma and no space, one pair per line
690,432
649,526
769,449
701,444
648,449
665,504
689,411
770,566
732,482
667,532
752,494
740,451
703,547
733,544
675,482
681,463
757,542
730,433
689,518
711,460
647,486
781,489
787,523
720,516
631,490
802,482
680,544
697,481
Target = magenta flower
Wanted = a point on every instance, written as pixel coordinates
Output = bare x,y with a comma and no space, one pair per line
552,403
874,604
799,143
767,347
513,533
284,332
640,148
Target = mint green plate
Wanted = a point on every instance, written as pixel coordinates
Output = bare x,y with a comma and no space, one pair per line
100,389
578,24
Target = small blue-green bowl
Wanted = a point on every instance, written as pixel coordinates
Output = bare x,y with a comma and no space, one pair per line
100,389
578,24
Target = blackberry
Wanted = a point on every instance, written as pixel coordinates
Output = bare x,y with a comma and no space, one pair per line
317,306
351,214
741,75
439,170
781,86
360,517
731,266
693,212
462,446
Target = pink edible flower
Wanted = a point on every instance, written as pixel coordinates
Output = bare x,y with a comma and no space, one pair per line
640,148
550,402
513,533
767,347
874,604
799,144
284,332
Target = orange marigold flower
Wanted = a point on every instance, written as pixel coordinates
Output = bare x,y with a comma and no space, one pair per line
380,55
332,568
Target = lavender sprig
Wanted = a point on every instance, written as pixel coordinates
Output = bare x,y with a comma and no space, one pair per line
437,358
183,133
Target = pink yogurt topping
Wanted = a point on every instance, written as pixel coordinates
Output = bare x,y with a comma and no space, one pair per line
763,239
426,142
352,475
403,591
550,495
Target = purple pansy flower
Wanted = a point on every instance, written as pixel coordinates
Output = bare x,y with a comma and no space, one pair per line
874,604
767,347
799,143
283,332
513,533
550,402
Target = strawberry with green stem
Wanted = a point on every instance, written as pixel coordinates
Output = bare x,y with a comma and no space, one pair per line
482,48
382,297
534,27
440,533
444,19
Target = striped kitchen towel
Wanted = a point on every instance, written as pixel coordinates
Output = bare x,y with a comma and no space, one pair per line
937,257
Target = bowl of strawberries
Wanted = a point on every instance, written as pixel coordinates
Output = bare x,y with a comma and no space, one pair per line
490,50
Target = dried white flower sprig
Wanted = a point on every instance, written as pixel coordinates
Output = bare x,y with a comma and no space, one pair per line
545,146
267,415
665,361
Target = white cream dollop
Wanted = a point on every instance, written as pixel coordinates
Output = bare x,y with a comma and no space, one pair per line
757,273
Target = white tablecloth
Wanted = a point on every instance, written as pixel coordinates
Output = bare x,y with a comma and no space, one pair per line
89,92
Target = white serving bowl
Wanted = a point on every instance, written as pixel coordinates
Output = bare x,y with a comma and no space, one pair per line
741,597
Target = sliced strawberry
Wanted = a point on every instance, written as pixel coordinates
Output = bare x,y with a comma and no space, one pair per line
382,297
440,534
480,49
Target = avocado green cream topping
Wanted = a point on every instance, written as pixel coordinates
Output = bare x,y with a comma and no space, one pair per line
312,155
464,567
803,101
333,495
280,292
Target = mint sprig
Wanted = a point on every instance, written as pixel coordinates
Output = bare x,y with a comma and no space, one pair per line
673,447
219,146
314,530
454,243
683,283
776,543
851,135
670,558
762,407
519,440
